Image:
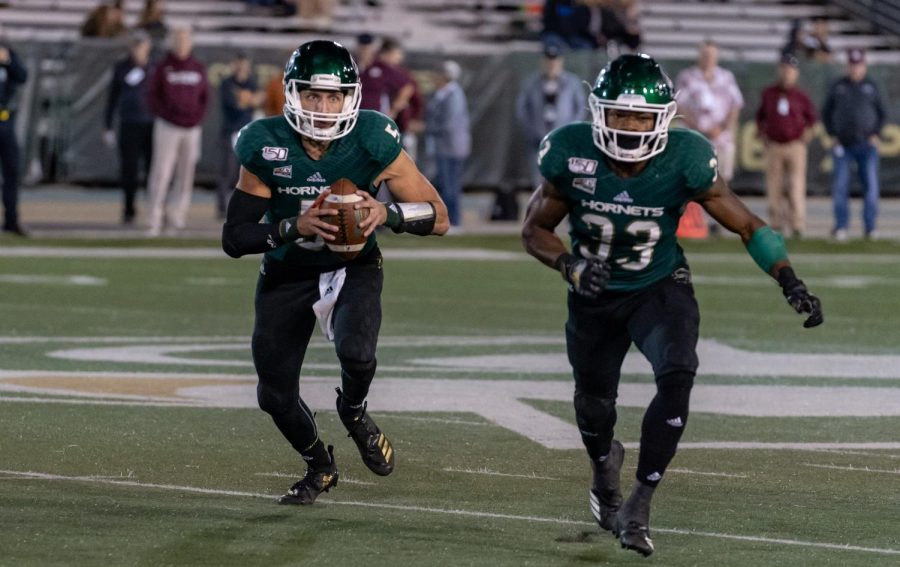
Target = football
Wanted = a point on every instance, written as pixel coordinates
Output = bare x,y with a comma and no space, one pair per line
349,239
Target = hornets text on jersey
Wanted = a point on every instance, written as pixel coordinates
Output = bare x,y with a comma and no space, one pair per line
628,222
270,149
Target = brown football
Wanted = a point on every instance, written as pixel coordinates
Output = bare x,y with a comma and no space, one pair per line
349,240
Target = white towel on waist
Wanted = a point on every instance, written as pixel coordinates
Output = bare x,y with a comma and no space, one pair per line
330,284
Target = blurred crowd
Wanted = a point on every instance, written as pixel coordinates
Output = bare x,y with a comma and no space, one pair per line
156,107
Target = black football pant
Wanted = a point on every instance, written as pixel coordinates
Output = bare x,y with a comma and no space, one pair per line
9,168
284,324
662,321
135,151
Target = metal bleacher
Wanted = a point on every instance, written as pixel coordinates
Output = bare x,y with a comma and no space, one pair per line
749,31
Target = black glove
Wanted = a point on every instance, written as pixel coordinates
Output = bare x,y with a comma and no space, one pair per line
588,276
799,297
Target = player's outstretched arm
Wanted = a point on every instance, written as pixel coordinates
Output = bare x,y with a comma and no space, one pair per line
418,208
244,234
765,246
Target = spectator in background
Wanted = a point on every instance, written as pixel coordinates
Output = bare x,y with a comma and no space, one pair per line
796,39
389,88
567,24
784,121
811,46
547,100
366,51
710,102
448,136
816,42
177,95
273,94
317,11
273,100
152,19
128,99
853,115
239,97
106,20
616,24
12,74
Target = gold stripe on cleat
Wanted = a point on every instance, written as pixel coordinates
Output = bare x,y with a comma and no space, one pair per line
388,452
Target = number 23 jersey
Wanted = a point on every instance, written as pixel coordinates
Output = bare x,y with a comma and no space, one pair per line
628,222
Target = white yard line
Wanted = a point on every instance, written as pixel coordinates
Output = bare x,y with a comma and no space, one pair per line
412,254
117,340
489,472
127,253
703,473
341,479
852,468
454,512
432,419
861,453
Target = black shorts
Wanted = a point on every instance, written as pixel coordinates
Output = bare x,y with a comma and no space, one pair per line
663,320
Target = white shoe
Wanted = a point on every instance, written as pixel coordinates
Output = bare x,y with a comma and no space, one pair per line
873,235
153,232
840,235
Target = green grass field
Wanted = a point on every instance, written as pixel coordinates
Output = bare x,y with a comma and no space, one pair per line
129,433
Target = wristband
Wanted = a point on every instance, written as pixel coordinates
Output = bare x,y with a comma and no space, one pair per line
287,229
562,263
393,216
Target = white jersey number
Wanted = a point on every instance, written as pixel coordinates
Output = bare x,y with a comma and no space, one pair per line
602,245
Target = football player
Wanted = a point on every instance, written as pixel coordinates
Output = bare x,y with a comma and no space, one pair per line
287,162
624,179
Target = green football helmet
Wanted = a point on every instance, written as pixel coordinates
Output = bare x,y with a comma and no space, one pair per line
321,65
632,82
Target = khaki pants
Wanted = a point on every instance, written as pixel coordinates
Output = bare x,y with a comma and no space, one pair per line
175,154
787,208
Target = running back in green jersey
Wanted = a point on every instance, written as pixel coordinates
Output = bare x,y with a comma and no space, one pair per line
270,149
628,222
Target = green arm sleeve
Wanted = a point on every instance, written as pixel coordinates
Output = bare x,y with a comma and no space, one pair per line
766,247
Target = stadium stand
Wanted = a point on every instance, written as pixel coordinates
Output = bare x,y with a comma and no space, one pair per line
749,31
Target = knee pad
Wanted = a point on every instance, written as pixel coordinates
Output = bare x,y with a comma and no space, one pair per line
674,394
675,384
594,413
274,401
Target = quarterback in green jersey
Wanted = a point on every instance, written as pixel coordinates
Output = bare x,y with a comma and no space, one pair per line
624,180
287,163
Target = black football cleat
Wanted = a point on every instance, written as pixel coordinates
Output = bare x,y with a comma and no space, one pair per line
635,536
374,448
605,493
315,482
633,520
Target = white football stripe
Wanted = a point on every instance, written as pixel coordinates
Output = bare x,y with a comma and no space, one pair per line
346,247
351,198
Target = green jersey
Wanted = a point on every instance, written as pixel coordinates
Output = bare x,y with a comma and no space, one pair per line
628,222
270,149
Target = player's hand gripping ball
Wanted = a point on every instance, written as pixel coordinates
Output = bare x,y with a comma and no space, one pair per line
349,239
